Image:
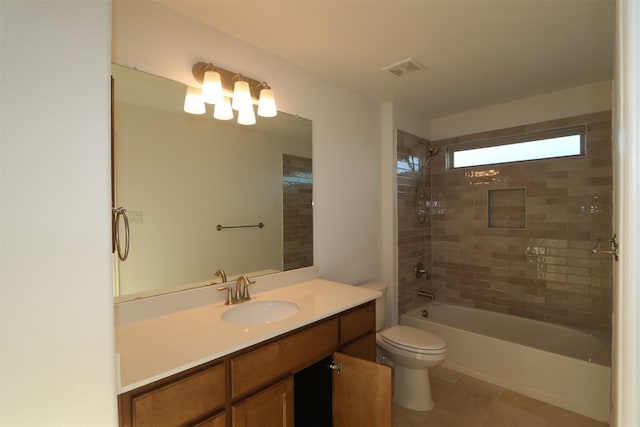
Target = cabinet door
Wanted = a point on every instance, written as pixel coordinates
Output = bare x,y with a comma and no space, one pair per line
272,407
363,348
361,393
219,420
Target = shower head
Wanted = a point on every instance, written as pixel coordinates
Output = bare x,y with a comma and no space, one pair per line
431,152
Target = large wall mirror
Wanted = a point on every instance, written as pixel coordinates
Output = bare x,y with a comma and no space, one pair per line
180,176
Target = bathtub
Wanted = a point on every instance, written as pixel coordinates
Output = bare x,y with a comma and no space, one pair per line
562,366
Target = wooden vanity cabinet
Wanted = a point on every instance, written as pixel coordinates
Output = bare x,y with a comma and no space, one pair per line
178,400
254,386
283,356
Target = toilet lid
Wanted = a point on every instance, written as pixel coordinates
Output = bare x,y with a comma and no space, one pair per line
413,339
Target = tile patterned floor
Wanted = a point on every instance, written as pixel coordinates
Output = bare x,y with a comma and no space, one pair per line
463,401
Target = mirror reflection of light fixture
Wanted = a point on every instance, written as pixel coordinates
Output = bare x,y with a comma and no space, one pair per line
222,110
228,91
193,103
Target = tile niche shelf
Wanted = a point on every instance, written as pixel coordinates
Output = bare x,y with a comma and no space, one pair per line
507,208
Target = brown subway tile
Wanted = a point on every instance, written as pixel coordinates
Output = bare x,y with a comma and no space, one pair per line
543,271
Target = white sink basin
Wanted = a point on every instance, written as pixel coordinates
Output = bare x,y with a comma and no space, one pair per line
260,312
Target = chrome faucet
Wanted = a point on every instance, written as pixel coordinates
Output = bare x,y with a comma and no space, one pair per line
240,293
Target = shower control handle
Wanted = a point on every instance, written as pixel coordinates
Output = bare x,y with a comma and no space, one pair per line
419,270
614,246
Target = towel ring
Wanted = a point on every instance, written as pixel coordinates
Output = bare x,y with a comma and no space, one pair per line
121,213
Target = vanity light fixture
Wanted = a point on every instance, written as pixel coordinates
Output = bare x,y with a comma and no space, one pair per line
229,91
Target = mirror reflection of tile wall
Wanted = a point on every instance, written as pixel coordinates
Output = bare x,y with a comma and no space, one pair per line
297,212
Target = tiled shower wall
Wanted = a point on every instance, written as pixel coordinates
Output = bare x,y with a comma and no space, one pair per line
297,209
544,271
414,226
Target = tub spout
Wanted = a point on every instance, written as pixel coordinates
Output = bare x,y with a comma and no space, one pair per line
426,294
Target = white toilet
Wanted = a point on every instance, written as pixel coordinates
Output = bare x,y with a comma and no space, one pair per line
412,352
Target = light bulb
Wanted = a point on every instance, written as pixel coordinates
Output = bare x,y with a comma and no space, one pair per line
223,110
212,87
193,103
241,95
267,103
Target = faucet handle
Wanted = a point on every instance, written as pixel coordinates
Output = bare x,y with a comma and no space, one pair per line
246,289
228,298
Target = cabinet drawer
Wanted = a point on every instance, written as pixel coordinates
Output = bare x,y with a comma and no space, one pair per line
357,323
181,401
284,356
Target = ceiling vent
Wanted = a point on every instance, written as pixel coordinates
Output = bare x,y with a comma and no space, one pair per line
405,67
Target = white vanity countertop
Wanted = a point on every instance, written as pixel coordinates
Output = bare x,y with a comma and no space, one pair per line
156,348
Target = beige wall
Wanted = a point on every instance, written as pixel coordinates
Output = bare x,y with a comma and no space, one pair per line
56,311
569,102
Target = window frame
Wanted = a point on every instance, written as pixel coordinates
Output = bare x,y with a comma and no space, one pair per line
580,130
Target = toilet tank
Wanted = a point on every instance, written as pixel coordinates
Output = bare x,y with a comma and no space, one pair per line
381,302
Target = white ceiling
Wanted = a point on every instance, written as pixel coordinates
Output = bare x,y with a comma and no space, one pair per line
477,52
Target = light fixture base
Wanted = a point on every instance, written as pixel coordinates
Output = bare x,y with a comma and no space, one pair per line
227,78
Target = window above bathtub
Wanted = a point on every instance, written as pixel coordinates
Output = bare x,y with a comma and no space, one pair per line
566,142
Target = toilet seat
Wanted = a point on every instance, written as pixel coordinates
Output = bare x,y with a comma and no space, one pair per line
414,340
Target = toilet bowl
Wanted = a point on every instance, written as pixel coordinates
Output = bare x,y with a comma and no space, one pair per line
412,352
